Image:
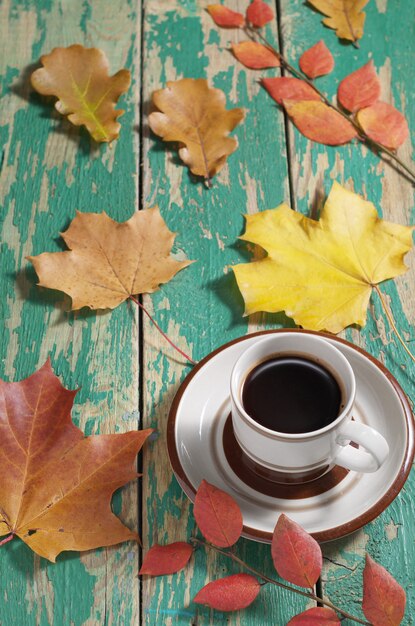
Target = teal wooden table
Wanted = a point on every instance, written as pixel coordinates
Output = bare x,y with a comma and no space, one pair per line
128,375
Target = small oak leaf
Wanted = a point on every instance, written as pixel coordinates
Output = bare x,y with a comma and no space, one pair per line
346,17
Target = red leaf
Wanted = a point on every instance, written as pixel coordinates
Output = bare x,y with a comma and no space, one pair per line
297,556
383,598
217,515
229,594
319,122
360,89
384,124
315,617
224,17
284,88
169,559
254,55
259,13
317,60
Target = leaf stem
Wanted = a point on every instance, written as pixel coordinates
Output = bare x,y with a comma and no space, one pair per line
142,307
392,322
278,583
363,137
7,539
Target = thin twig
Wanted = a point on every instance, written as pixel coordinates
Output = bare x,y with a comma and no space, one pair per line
362,136
392,322
278,583
142,307
7,539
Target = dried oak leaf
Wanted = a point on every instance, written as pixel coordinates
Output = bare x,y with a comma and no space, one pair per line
319,122
194,114
321,273
346,17
259,13
224,17
232,593
316,61
315,617
57,484
86,93
283,88
359,89
383,598
384,124
107,262
168,559
255,55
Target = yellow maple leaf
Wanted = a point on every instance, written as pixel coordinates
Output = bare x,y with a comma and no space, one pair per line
193,114
108,262
86,93
321,273
344,16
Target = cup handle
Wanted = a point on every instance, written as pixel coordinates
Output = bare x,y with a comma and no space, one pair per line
376,446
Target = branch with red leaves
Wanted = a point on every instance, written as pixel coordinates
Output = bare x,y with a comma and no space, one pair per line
296,556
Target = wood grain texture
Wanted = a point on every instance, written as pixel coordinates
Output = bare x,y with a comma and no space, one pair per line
48,170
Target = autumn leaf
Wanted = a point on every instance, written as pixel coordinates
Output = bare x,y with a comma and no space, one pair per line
232,593
319,122
168,559
217,515
384,124
254,55
315,617
383,598
334,262
107,262
194,114
316,61
259,13
359,89
86,93
57,484
224,17
296,555
283,88
346,17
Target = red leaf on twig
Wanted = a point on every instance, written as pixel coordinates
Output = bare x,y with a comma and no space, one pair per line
315,617
285,88
359,89
217,515
316,61
259,13
254,55
383,598
384,124
169,559
224,17
297,556
229,594
319,122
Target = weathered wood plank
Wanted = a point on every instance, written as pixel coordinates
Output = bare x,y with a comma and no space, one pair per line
49,169
201,308
390,42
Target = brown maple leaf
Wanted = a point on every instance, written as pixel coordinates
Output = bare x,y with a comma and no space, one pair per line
86,93
57,484
108,262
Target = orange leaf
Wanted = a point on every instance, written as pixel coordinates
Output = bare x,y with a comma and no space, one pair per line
359,89
383,598
86,93
254,55
108,262
344,16
194,114
259,13
284,88
232,593
217,515
315,617
319,122
224,17
296,555
56,485
317,60
384,124
164,560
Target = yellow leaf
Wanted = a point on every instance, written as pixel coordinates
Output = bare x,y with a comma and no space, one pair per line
108,262
321,273
194,114
86,93
344,16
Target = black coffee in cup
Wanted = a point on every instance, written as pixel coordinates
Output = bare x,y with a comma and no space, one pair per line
291,394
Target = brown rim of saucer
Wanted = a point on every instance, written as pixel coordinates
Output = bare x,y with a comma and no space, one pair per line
325,535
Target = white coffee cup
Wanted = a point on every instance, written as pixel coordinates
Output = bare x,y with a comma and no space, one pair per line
305,456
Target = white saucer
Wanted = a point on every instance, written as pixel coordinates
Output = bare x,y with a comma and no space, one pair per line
200,412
